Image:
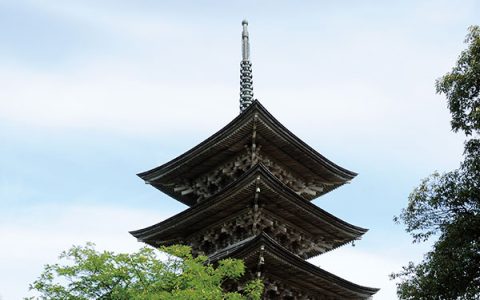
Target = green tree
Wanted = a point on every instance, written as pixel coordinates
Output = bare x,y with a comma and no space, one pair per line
86,273
447,206
462,86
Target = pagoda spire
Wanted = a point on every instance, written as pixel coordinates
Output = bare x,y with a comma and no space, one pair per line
246,83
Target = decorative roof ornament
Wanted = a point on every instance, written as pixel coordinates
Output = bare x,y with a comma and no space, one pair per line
246,82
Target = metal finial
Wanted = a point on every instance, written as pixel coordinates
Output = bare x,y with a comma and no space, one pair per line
246,83
245,41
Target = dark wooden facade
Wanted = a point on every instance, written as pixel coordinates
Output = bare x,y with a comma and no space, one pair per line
248,188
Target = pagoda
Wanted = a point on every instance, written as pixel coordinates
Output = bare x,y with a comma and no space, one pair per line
249,189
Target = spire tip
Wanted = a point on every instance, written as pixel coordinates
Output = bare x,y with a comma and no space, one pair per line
246,88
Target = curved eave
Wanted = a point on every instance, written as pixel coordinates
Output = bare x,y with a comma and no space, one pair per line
195,151
229,134
249,246
246,183
194,211
341,172
280,187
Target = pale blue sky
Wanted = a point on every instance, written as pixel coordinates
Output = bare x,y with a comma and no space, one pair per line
92,93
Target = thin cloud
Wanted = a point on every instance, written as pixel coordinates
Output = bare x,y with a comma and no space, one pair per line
39,239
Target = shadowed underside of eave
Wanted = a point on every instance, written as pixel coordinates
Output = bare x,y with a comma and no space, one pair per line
274,198
277,142
281,263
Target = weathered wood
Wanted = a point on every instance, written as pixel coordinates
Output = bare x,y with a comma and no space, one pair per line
250,223
212,182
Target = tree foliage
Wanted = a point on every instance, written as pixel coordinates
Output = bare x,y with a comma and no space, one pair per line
461,86
447,206
86,273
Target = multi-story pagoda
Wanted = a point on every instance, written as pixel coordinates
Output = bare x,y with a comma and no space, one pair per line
248,188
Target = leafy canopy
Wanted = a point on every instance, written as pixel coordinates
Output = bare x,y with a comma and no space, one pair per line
461,86
90,274
447,206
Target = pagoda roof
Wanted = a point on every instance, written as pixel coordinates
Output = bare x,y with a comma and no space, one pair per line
275,198
275,139
281,263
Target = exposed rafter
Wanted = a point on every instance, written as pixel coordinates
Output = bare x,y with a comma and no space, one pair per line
206,168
